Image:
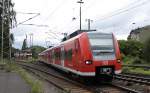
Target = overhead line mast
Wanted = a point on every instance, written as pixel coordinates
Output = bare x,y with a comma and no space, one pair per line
80,2
89,23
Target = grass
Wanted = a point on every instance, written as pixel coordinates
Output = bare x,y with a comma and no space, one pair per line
31,60
4,62
136,70
69,91
36,86
128,60
34,83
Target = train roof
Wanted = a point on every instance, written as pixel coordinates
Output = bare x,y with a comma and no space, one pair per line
75,34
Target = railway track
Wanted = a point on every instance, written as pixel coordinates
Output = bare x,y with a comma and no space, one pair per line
71,86
58,81
133,78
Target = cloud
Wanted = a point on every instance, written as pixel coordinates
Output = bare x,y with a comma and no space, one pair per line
58,15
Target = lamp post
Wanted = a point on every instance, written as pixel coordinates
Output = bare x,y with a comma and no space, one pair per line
80,2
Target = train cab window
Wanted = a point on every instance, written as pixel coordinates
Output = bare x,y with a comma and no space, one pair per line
102,46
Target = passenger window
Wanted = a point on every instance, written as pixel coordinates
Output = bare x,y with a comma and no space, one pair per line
53,55
68,54
57,55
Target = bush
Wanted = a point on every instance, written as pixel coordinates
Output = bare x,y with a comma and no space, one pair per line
36,50
131,48
137,60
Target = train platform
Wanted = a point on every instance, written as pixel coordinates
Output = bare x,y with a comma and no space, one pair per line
12,83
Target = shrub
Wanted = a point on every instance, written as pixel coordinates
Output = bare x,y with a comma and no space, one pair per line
131,48
137,60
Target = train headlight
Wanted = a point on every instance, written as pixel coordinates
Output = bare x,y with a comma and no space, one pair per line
118,60
88,62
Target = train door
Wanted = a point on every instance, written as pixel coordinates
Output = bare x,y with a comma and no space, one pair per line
62,56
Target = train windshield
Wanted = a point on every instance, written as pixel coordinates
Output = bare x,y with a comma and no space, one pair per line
102,46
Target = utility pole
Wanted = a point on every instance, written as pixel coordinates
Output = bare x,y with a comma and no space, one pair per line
89,23
31,43
80,2
27,40
31,39
2,31
10,42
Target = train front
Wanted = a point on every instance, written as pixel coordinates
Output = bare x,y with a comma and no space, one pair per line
106,58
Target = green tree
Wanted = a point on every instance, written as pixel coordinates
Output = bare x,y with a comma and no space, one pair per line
9,19
36,50
24,45
131,48
147,50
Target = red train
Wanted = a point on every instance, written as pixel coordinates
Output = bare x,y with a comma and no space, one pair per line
88,54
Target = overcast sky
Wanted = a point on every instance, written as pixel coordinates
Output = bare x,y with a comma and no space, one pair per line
114,16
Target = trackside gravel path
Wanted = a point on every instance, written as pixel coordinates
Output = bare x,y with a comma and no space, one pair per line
12,83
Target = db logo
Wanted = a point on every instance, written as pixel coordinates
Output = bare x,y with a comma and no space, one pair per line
105,62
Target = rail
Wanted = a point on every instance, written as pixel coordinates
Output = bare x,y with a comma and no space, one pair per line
133,78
